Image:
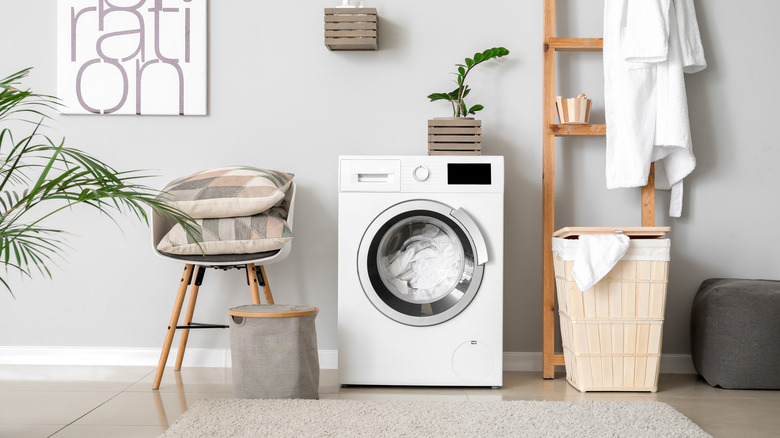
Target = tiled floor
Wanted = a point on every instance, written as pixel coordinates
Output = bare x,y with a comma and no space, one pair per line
118,402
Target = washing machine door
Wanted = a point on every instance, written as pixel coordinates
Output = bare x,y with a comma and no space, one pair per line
421,262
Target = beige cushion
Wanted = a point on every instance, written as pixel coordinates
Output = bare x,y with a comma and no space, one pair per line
235,235
228,191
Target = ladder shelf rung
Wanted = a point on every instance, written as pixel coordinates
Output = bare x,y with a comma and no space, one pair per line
576,44
577,130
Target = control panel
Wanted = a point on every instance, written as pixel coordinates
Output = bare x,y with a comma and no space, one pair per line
425,174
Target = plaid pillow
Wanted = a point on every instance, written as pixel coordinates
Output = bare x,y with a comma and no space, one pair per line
233,235
228,191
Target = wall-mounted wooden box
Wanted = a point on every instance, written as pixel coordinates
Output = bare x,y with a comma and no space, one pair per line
454,136
350,28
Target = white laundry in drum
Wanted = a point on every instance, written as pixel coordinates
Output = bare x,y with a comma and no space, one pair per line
426,267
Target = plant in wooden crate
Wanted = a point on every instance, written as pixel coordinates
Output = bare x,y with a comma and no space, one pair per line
456,96
460,134
40,177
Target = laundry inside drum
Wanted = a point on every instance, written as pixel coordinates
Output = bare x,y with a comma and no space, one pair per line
420,259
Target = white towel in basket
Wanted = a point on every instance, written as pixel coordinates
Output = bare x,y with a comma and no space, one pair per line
596,255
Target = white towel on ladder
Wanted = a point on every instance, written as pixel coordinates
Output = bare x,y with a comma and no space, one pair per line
648,45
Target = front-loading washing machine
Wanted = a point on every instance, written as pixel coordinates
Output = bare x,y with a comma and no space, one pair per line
420,270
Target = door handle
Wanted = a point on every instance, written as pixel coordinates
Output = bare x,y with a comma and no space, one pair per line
471,227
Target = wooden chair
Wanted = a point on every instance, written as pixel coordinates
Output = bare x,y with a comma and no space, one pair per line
194,270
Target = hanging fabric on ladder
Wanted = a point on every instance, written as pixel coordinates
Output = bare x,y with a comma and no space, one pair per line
648,45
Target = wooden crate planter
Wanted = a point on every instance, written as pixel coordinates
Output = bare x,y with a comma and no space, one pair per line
454,136
351,28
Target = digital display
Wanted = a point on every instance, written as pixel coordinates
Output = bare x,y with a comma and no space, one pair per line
468,174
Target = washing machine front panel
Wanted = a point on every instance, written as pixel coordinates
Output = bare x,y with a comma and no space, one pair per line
374,349
419,263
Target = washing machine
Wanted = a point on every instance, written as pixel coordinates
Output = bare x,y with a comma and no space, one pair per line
420,270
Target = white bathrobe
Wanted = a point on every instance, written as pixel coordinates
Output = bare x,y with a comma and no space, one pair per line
648,45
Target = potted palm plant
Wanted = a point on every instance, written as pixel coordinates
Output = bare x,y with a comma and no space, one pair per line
460,134
40,178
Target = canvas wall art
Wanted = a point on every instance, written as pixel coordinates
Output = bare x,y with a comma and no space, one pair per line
132,56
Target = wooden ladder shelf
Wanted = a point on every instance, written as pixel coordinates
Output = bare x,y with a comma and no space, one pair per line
552,44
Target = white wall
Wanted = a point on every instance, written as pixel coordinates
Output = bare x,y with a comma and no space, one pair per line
279,99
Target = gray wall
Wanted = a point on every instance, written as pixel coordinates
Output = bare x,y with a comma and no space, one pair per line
279,99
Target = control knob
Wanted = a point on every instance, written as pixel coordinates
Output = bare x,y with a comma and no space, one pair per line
421,173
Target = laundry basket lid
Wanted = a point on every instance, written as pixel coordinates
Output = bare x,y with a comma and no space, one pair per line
632,232
273,310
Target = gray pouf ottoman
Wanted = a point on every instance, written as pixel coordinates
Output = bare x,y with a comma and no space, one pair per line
274,351
735,333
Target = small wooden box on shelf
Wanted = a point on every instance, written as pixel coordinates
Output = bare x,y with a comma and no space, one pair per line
351,28
454,136
575,111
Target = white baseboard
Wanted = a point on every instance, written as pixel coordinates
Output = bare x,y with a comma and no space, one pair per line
530,361
201,357
677,364
205,357
96,356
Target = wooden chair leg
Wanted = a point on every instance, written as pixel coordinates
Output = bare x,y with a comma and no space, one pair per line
185,279
185,333
266,287
253,287
253,284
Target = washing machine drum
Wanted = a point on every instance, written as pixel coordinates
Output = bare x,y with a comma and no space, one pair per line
421,262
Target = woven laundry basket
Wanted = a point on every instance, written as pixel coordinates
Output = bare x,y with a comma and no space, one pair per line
612,332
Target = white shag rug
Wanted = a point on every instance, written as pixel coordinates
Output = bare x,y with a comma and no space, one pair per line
236,418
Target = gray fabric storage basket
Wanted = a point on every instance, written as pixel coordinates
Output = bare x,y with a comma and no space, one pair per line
274,351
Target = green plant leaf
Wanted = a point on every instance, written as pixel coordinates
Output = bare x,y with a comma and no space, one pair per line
438,96
15,101
456,97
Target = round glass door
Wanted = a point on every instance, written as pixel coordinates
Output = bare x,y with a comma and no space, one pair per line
417,263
